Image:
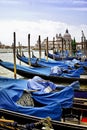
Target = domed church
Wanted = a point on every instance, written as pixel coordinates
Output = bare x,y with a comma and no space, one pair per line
67,36
64,41
60,42
68,39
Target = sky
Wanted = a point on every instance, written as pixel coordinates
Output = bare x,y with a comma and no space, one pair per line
41,17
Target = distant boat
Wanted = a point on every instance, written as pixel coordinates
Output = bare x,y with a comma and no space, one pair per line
65,64
59,58
36,62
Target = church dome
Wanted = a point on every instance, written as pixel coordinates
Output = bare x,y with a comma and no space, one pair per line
67,36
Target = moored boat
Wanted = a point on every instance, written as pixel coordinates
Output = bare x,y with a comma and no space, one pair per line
58,57
33,61
7,85
46,73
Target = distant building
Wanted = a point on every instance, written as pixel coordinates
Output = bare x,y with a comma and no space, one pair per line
64,42
83,44
60,42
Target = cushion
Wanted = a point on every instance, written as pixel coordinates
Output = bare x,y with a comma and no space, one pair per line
26,99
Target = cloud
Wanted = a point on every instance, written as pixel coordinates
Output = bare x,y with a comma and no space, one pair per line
74,8
9,1
80,1
45,28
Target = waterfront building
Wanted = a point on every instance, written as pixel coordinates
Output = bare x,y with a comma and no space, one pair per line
59,41
63,42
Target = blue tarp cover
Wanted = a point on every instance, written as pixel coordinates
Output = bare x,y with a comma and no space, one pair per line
46,71
52,103
44,86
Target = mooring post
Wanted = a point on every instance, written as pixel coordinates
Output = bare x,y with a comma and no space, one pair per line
47,48
39,40
14,53
29,49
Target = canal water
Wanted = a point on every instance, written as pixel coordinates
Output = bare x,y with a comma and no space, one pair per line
9,58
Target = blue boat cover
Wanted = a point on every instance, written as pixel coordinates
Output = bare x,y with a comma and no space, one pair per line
11,91
75,73
44,86
46,71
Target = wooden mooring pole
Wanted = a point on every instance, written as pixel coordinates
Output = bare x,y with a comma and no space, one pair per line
14,53
29,49
47,48
20,50
39,40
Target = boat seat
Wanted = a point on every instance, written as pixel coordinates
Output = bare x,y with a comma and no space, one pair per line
26,99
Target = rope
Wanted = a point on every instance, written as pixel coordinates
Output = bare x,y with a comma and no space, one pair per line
11,124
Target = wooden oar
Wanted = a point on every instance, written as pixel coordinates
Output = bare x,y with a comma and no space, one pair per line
9,124
4,120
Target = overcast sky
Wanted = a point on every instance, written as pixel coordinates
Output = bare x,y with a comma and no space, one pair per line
41,17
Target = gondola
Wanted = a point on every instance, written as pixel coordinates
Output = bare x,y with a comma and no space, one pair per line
16,95
36,62
25,121
30,72
59,58
33,61
42,62
64,64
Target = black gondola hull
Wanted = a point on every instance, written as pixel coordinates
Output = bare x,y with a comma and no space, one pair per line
24,119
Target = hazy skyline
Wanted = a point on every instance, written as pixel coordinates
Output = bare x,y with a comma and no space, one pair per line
41,17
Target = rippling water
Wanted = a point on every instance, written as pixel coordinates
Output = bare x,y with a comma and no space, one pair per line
6,57
9,57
